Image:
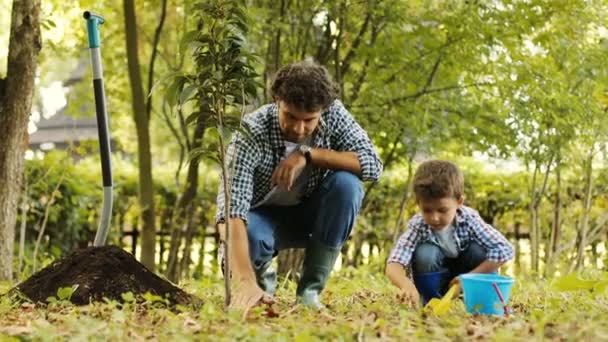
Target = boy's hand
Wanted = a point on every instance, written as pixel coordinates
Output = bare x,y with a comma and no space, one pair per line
456,281
409,295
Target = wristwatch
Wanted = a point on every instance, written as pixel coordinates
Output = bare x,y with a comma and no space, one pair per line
305,150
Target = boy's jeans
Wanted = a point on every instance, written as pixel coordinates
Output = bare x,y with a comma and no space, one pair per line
327,216
429,258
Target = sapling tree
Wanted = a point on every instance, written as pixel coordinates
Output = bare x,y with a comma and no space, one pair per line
217,91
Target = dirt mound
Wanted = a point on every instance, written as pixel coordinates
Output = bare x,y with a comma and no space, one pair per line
100,272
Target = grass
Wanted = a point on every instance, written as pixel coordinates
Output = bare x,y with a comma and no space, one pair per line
361,307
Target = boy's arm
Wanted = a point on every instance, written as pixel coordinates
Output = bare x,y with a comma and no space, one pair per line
403,250
498,249
399,257
395,272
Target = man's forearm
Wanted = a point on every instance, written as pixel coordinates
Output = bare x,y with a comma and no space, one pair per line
240,261
334,160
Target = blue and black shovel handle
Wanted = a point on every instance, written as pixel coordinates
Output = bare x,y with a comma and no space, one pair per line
93,22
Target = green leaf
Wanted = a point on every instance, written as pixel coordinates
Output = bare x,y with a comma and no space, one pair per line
201,152
65,293
128,297
175,89
187,39
151,298
186,94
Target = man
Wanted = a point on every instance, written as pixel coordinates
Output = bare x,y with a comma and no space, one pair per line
296,183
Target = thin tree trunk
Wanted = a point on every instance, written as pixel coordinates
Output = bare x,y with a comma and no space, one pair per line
594,254
556,225
185,203
580,258
16,93
337,61
535,204
404,198
47,210
142,124
517,248
277,39
191,229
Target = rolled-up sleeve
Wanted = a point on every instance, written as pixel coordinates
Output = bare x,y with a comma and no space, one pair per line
349,136
403,251
246,155
498,248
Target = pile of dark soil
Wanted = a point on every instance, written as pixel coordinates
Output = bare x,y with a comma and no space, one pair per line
101,272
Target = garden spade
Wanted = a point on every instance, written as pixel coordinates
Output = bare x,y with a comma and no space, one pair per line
441,306
93,21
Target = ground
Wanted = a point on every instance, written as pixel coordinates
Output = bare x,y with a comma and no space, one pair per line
361,307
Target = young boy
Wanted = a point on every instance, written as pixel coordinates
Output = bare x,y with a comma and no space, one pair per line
446,235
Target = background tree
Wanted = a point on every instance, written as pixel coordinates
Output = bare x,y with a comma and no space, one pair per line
16,93
142,107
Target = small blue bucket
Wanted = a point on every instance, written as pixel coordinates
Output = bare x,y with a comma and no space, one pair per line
480,297
431,284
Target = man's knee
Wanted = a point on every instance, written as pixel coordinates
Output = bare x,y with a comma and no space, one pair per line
346,185
427,258
338,205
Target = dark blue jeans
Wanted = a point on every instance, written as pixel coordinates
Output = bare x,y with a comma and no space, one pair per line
429,258
326,216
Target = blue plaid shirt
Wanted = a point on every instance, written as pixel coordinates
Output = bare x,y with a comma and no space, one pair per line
260,151
468,226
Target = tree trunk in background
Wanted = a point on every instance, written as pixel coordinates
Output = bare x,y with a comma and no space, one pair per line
290,262
536,199
517,248
533,224
15,105
556,224
142,123
580,257
595,255
185,207
404,198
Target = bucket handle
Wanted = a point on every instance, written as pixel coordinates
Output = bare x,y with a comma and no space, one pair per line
502,300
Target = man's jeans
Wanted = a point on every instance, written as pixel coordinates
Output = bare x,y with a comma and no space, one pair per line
327,216
429,258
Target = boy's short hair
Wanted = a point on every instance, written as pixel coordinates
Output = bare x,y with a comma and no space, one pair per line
436,179
305,85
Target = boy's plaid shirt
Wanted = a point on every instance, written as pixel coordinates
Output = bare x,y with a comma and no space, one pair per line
469,226
260,151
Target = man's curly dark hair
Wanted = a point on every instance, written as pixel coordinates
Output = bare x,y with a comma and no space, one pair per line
305,85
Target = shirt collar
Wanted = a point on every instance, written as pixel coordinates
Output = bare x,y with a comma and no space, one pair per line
458,219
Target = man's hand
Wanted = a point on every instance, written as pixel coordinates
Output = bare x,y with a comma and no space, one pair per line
246,295
409,295
288,170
